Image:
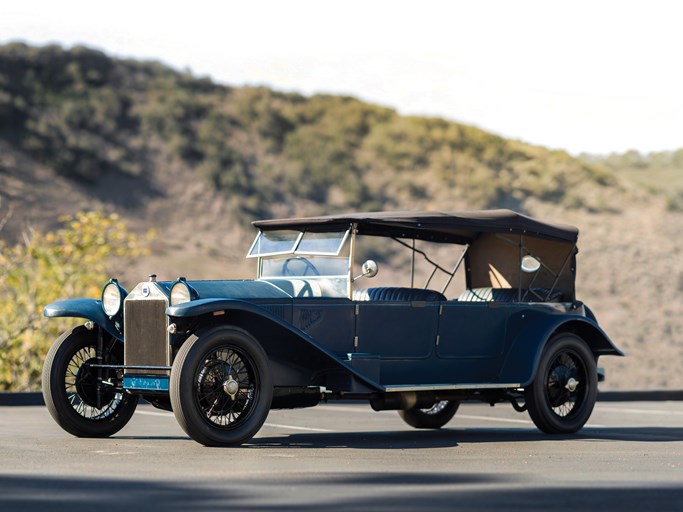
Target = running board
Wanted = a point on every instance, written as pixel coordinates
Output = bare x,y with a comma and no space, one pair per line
448,387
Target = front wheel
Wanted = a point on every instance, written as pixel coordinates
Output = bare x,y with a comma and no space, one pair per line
435,417
81,399
221,388
561,398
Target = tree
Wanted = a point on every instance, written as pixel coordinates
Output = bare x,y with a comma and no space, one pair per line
44,267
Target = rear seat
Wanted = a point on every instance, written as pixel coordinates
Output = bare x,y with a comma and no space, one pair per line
509,295
398,294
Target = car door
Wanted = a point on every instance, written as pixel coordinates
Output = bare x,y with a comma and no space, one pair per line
396,330
472,335
401,336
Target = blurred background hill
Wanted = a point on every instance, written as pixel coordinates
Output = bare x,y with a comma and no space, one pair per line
197,161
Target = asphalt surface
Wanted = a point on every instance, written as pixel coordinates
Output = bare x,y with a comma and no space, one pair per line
347,457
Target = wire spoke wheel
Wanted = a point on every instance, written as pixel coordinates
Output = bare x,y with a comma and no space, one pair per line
80,384
566,384
85,401
435,416
226,387
437,408
561,398
220,386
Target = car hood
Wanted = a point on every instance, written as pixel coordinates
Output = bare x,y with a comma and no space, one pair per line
244,290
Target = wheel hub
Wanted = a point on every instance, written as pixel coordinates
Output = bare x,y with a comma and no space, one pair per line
572,384
231,387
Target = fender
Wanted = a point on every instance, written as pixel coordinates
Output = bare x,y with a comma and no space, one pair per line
300,350
208,306
90,309
525,352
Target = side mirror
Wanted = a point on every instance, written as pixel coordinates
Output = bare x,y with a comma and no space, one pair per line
370,268
530,264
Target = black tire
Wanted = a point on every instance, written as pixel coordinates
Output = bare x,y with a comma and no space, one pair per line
70,386
435,417
562,396
221,388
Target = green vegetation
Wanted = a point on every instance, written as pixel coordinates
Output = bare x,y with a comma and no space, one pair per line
85,115
659,172
66,263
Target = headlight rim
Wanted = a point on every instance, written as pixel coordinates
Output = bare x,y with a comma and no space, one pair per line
113,284
189,293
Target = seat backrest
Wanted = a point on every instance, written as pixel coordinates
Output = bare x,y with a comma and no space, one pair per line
398,294
509,295
489,295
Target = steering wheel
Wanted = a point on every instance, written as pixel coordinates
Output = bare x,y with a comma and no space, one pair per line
308,266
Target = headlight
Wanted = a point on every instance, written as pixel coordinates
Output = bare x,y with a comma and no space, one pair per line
112,297
182,292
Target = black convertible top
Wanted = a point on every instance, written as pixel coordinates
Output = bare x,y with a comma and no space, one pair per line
452,227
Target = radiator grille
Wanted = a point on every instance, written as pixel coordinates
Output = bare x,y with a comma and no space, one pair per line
145,335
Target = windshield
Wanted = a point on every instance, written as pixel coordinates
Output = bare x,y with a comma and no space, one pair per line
304,263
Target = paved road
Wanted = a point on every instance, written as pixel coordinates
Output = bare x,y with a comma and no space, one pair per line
347,457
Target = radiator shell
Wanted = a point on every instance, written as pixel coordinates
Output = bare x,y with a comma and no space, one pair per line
146,338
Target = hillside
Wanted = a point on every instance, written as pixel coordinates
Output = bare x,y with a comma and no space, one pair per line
198,160
660,172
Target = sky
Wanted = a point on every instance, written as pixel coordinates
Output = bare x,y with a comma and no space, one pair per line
595,76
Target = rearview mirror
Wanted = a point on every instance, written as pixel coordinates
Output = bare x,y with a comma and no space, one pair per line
530,264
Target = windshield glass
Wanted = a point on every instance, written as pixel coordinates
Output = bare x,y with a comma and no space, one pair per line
274,242
300,266
271,243
321,243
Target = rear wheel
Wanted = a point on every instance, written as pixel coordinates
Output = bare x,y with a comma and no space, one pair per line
561,398
221,388
435,417
76,395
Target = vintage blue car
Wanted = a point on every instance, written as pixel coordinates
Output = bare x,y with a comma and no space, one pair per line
499,322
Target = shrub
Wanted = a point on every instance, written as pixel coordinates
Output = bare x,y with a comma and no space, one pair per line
44,267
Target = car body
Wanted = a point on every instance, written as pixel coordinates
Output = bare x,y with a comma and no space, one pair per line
221,354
